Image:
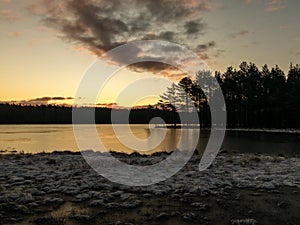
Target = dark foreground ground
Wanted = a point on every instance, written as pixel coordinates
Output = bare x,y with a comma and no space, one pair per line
60,188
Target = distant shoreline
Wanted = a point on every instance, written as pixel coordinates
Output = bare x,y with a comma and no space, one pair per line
259,130
267,130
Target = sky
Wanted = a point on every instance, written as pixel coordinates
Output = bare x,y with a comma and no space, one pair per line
48,45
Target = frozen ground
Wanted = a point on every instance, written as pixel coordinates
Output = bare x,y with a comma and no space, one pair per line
61,188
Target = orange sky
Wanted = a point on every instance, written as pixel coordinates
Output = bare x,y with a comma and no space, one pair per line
38,60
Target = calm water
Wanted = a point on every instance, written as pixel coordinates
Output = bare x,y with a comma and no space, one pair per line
49,138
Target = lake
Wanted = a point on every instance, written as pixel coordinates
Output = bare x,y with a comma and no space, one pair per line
49,138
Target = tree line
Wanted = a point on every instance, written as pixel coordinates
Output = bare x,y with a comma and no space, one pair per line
51,114
255,98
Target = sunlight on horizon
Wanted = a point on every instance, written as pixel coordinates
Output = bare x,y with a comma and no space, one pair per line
38,61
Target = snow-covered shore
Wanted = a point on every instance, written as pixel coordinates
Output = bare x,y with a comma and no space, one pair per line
37,183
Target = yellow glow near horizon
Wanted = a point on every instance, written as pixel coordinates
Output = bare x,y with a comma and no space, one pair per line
36,63
147,101
129,88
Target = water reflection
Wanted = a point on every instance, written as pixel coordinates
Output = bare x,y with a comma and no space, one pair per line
48,138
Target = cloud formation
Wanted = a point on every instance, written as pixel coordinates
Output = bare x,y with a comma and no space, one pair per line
204,47
41,101
100,25
107,105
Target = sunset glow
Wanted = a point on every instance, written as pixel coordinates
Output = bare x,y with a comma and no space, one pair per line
44,53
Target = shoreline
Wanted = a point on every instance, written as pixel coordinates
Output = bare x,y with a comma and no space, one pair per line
61,188
178,126
258,130
121,154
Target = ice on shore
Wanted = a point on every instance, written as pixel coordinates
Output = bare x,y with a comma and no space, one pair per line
30,182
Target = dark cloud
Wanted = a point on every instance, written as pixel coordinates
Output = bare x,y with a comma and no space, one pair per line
205,47
167,35
50,98
194,27
152,66
61,98
41,101
101,25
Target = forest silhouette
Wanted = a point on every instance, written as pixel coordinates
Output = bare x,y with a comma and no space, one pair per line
255,98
